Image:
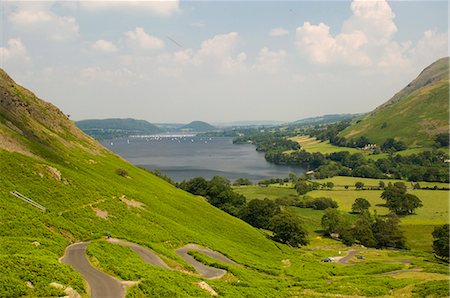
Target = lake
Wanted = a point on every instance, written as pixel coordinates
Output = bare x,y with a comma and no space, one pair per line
187,156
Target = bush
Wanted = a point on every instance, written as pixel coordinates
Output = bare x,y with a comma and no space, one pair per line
122,172
317,203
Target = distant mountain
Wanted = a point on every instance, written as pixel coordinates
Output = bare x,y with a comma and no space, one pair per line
415,115
249,123
197,126
325,119
114,128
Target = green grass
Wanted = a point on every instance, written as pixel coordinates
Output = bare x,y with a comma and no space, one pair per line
31,241
258,192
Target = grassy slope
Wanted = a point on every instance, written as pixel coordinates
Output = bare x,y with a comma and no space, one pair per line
31,241
414,115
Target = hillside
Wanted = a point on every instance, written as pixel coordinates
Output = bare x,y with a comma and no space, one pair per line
324,119
415,115
46,158
113,128
197,126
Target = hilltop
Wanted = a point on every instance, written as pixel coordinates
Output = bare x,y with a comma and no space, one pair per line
197,126
113,128
415,115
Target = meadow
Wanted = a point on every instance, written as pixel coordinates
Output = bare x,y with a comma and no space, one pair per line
417,227
311,144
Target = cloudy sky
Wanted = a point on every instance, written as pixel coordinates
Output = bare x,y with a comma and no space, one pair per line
178,61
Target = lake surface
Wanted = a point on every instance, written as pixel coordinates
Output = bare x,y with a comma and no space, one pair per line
187,156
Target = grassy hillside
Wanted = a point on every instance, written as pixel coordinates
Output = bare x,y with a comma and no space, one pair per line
414,115
111,128
46,158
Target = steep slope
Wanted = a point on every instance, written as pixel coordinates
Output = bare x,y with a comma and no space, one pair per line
197,126
414,115
113,128
46,158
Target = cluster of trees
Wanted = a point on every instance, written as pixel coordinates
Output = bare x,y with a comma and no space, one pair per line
371,231
424,166
302,186
217,191
263,214
399,201
242,181
320,203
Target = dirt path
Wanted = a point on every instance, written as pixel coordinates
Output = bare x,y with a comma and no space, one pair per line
204,270
146,254
101,284
344,260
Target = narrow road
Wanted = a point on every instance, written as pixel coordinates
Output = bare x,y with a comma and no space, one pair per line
344,260
146,254
101,284
204,270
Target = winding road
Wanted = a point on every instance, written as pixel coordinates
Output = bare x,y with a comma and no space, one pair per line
146,254
103,285
204,270
100,283
344,260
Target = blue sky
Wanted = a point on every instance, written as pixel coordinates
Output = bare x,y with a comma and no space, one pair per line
172,61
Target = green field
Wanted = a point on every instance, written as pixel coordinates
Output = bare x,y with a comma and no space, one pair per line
417,227
342,181
310,144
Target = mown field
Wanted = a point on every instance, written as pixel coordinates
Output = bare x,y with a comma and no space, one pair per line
417,227
311,144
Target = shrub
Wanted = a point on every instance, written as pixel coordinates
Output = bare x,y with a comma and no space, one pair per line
122,172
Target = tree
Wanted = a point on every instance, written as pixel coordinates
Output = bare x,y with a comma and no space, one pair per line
398,201
330,185
381,185
287,229
302,187
292,177
259,212
242,181
387,232
362,230
441,241
359,185
393,145
360,205
331,220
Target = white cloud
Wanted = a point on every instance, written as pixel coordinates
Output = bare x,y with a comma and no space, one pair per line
139,39
367,39
40,20
432,45
14,51
270,61
160,7
217,54
105,46
278,32
321,47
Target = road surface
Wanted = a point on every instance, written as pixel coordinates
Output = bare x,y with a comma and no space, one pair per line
205,271
147,255
344,260
101,284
